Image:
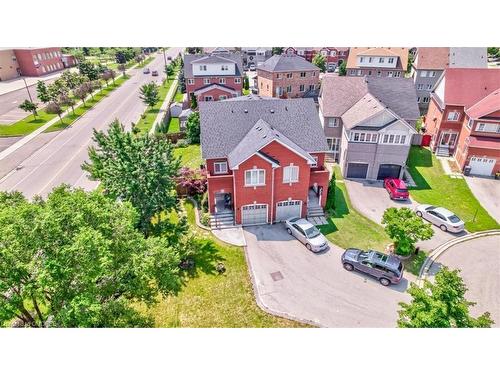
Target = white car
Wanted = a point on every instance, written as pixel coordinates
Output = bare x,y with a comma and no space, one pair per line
306,233
441,217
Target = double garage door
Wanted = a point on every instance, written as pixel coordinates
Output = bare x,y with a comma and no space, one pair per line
360,170
481,166
254,214
288,209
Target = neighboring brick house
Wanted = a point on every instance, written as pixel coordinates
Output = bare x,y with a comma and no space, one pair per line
9,68
287,76
430,63
265,159
368,123
377,61
34,62
255,55
213,77
464,118
335,56
305,52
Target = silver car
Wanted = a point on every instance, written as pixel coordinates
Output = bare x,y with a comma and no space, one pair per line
306,233
441,217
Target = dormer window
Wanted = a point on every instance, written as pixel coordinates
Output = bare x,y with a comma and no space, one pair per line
203,68
391,60
381,59
225,67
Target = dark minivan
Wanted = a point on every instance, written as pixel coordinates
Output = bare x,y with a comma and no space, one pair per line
388,269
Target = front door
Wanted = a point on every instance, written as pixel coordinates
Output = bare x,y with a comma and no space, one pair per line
448,139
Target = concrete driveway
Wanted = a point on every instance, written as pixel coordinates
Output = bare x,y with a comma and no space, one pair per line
479,262
487,192
292,281
371,200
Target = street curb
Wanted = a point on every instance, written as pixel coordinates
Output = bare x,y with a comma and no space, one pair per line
436,253
267,309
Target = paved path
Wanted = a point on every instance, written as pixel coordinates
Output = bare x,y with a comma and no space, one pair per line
59,160
487,192
291,281
479,262
371,200
166,103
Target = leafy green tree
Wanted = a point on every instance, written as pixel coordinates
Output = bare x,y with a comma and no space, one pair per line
77,260
330,199
149,94
343,68
137,169
277,50
440,305
193,128
320,61
120,57
246,83
182,82
29,106
81,92
493,51
169,71
194,101
409,64
55,108
42,92
67,100
71,79
405,228
89,70
86,51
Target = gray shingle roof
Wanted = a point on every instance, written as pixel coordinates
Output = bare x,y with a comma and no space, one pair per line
364,108
235,57
257,137
339,94
225,123
286,63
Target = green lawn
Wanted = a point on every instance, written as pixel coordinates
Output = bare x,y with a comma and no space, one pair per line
348,228
80,111
30,124
173,125
436,188
208,299
178,96
145,124
190,156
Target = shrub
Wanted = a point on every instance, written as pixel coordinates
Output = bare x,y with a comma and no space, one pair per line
204,202
330,199
205,219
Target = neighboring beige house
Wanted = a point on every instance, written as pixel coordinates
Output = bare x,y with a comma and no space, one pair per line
377,61
9,68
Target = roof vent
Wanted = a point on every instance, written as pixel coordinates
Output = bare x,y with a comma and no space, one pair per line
246,110
272,111
286,108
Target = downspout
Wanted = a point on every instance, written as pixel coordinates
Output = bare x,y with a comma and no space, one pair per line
234,198
272,195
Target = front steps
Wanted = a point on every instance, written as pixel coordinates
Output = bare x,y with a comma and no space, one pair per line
443,151
315,211
222,220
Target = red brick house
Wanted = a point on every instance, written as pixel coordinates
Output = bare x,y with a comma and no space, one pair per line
287,76
213,77
34,62
464,118
335,56
304,52
265,159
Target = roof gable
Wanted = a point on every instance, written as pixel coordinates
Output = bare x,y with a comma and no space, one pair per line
286,63
485,106
224,124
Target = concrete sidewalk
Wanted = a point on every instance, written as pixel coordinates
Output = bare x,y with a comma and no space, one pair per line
166,103
18,83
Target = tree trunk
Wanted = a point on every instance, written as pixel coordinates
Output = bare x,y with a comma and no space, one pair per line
60,118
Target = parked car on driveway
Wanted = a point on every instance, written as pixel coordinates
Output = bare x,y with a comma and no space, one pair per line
387,269
154,73
146,71
306,233
441,217
396,188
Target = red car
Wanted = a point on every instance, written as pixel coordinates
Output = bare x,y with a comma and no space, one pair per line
396,188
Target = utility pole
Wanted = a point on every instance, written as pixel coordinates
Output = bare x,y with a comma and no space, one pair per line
27,89
164,56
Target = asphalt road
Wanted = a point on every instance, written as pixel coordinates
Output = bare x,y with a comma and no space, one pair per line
59,160
9,103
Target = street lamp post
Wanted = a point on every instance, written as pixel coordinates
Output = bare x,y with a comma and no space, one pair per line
27,89
164,57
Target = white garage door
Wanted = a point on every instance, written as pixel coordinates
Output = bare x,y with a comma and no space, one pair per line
287,209
254,214
481,166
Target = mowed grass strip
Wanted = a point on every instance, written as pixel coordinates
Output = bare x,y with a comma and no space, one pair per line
208,299
80,111
436,188
190,156
348,228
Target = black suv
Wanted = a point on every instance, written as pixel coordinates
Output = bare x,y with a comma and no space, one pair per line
388,269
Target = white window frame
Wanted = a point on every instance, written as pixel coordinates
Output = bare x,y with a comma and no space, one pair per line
315,165
290,174
361,59
238,80
426,99
208,100
190,81
334,123
423,73
455,116
224,67
289,89
397,74
206,81
429,87
278,75
203,68
420,86
253,177
469,124
488,127
393,139
363,137
222,166
390,73
222,97
381,60
222,81
303,74
418,99
302,88
432,73
289,75
390,60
